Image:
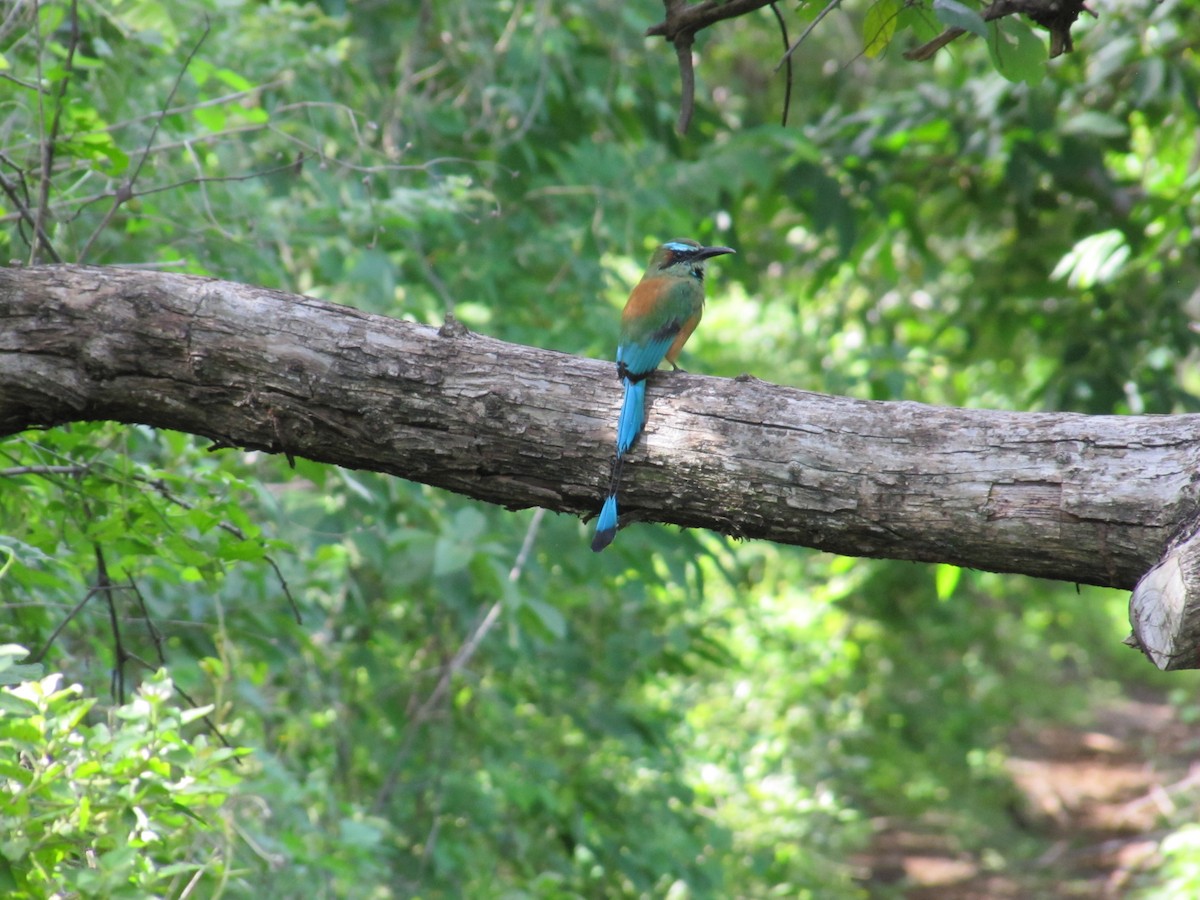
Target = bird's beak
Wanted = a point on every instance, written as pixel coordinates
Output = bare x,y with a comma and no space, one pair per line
707,252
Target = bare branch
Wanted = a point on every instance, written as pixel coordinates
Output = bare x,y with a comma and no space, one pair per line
687,78
787,89
682,16
680,25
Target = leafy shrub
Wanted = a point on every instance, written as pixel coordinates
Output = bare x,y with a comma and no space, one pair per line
111,808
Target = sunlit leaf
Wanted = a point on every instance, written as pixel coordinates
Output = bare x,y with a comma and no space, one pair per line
212,118
953,14
1097,259
1097,123
234,80
879,26
946,579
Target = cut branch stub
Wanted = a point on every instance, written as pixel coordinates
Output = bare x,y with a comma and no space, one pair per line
1164,609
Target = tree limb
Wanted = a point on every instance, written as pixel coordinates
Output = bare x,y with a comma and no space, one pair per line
1090,499
1056,16
679,27
692,17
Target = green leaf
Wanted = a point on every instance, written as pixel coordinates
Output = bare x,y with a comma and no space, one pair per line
547,616
451,554
11,704
212,118
10,653
1095,123
953,14
234,80
1017,52
52,16
879,26
946,579
1096,259
241,550
191,715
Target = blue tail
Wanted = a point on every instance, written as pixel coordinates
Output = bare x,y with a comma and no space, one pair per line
606,524
633,415
629,426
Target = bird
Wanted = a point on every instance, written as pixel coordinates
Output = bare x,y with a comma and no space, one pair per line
661,313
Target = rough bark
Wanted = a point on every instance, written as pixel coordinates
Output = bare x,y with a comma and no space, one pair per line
1163,610
1089,499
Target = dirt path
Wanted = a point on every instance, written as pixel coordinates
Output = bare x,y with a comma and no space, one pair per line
1095,801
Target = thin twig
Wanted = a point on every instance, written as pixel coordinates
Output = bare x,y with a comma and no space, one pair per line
307,148
230,528
787,89
40,654
23,212
212,726
430,273
829,7
155,635
125,192
206,179
216,179
687,78
223,100
535,523
50,136
457,662
43,470
104,583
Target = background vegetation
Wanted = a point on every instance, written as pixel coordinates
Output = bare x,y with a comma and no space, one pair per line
469,702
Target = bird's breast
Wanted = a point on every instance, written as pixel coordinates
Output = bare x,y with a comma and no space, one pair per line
663,298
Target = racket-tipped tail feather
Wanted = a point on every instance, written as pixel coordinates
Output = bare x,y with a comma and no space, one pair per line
606,524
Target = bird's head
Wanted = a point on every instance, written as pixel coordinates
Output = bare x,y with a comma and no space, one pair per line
682,258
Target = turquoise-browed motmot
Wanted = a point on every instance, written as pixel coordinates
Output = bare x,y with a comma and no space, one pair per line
662,312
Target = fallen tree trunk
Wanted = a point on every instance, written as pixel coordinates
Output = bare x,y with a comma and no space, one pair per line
1090,499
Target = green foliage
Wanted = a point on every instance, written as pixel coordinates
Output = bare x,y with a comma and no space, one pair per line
1179,871
1017,53
123,807
955,15
473,704
879,26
